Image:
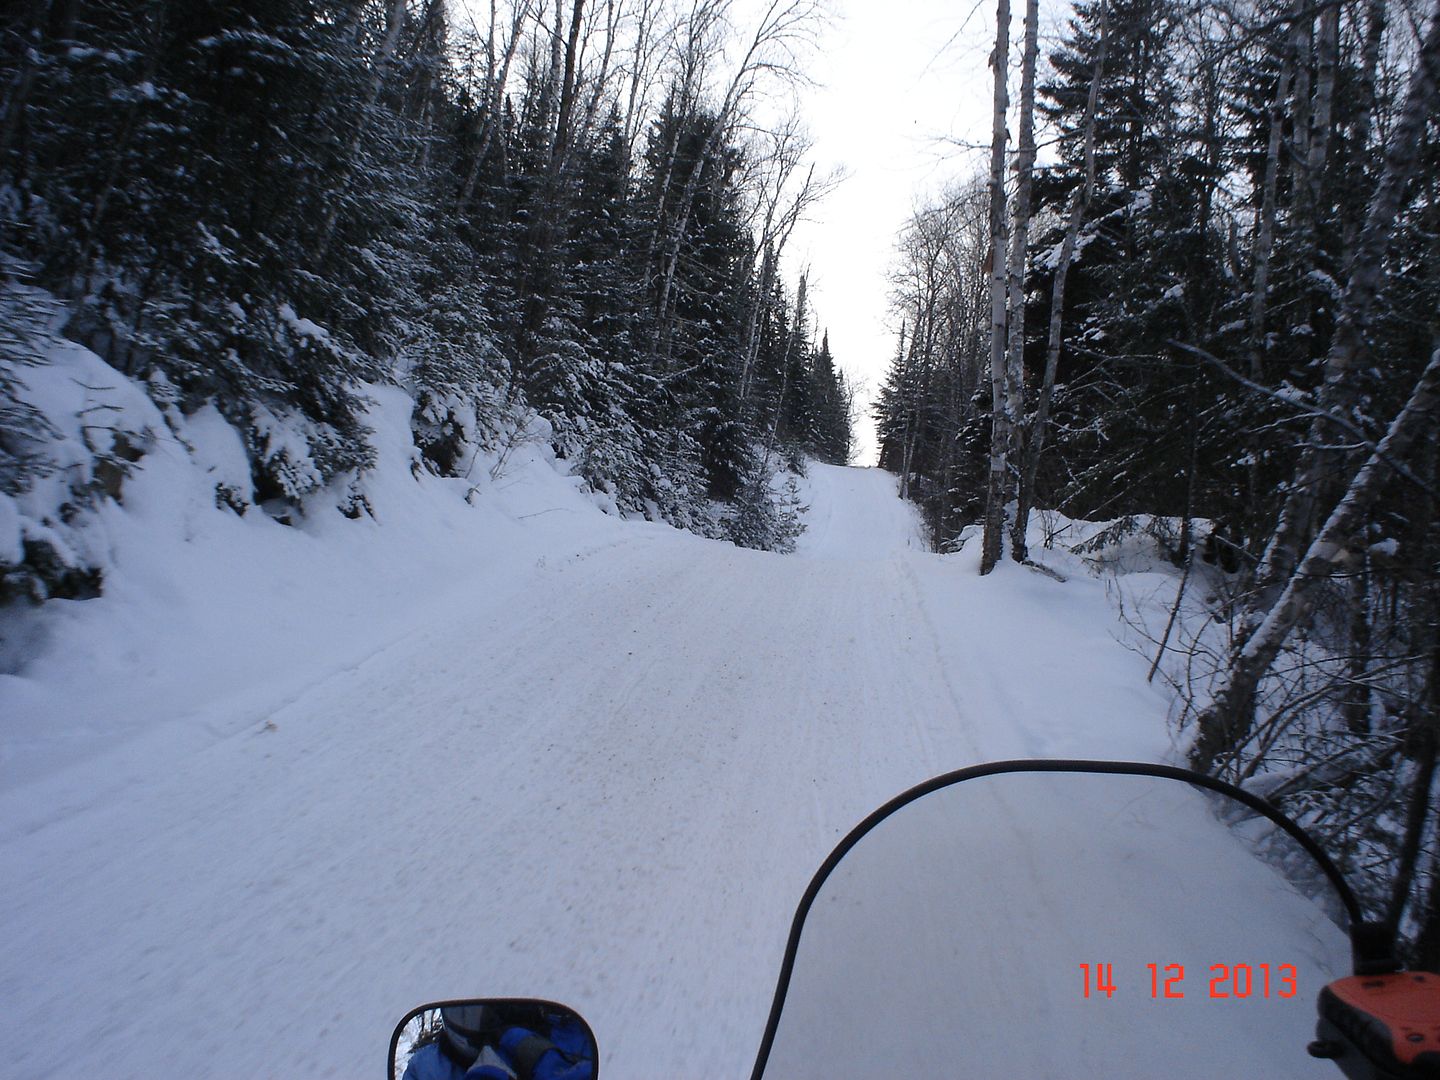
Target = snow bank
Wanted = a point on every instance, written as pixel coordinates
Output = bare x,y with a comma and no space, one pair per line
209,616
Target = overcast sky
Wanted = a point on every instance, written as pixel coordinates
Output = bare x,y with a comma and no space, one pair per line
897,82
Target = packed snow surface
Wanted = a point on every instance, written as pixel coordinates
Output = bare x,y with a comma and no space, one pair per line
281,784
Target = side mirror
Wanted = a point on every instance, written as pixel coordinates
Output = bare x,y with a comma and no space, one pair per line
493,1037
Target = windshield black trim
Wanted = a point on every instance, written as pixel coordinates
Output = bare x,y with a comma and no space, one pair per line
1044,765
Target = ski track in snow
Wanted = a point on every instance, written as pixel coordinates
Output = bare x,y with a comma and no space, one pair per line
602,775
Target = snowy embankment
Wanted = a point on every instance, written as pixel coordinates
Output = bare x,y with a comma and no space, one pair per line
280,784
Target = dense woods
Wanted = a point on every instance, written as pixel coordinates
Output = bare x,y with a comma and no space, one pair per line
542,219
1221,329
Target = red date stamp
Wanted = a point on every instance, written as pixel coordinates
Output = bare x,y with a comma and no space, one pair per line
1167,981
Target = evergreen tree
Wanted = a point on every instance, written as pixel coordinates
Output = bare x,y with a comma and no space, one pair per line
267,206
1149,272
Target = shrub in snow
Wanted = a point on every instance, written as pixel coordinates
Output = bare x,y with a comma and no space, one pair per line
24,431
763,518
71,432
457,375
1134,537
294,457
794,454
656,474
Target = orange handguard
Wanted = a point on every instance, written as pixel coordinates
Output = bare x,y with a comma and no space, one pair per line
1382,1027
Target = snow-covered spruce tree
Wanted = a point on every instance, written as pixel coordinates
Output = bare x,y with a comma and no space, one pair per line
579,258
1148,268
25,320
829,435
688,194
1299,93
763,518
36,563
270,289
1307,356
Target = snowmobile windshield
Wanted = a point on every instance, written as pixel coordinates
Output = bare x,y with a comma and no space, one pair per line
1058,924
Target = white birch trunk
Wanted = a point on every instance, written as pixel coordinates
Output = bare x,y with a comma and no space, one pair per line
994,538
1265,228
1019,238
1303,43
598,90
1366,273
1327,45
1079,205
560,148
1226,723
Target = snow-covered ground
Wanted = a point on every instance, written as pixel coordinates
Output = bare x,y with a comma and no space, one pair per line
280,785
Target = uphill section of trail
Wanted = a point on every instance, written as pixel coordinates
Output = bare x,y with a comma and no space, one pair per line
600,770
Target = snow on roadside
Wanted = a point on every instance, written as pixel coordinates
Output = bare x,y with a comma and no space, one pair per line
281,783
208,618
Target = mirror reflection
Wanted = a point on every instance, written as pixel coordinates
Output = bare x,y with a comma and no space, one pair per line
493,1039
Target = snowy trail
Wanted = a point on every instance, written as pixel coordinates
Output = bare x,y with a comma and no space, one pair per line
605,780
856,513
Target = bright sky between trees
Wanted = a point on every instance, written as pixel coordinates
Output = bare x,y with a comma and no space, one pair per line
901,87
